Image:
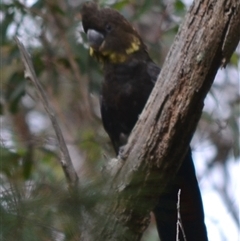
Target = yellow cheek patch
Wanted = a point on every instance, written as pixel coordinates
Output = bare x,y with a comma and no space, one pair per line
115,57
134,46
122,57
91,51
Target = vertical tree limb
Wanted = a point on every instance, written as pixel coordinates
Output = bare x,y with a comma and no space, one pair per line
161,137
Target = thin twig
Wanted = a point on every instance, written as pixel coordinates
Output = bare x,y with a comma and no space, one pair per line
179,219
66,162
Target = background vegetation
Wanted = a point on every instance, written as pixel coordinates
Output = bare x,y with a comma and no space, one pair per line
34,200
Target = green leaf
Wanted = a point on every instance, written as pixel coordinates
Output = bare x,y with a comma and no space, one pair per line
180,7
234,59
120,5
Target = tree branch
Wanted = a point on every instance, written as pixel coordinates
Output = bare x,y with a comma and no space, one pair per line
163,132
179,219
66,162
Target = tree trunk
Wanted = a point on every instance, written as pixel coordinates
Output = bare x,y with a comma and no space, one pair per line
205,42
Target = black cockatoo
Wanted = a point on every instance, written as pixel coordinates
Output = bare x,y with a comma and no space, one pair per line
129,77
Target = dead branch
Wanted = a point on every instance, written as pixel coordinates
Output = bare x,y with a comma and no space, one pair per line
179,219
66,162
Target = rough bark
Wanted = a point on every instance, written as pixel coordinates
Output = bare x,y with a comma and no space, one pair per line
205,42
